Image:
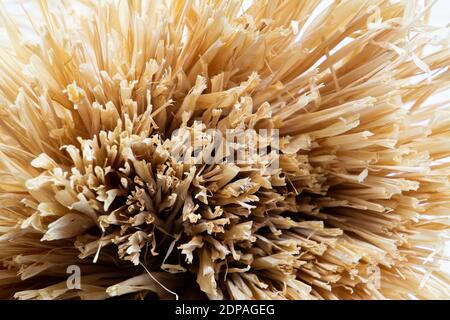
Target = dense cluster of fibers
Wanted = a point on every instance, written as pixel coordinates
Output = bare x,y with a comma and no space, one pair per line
91,91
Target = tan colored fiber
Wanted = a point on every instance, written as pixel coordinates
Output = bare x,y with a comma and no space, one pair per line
358,209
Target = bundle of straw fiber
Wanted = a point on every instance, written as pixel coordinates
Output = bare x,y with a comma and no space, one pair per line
357,208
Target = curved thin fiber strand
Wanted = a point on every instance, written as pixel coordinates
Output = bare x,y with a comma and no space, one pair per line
358,208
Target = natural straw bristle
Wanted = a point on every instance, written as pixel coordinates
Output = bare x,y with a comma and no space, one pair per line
358,207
